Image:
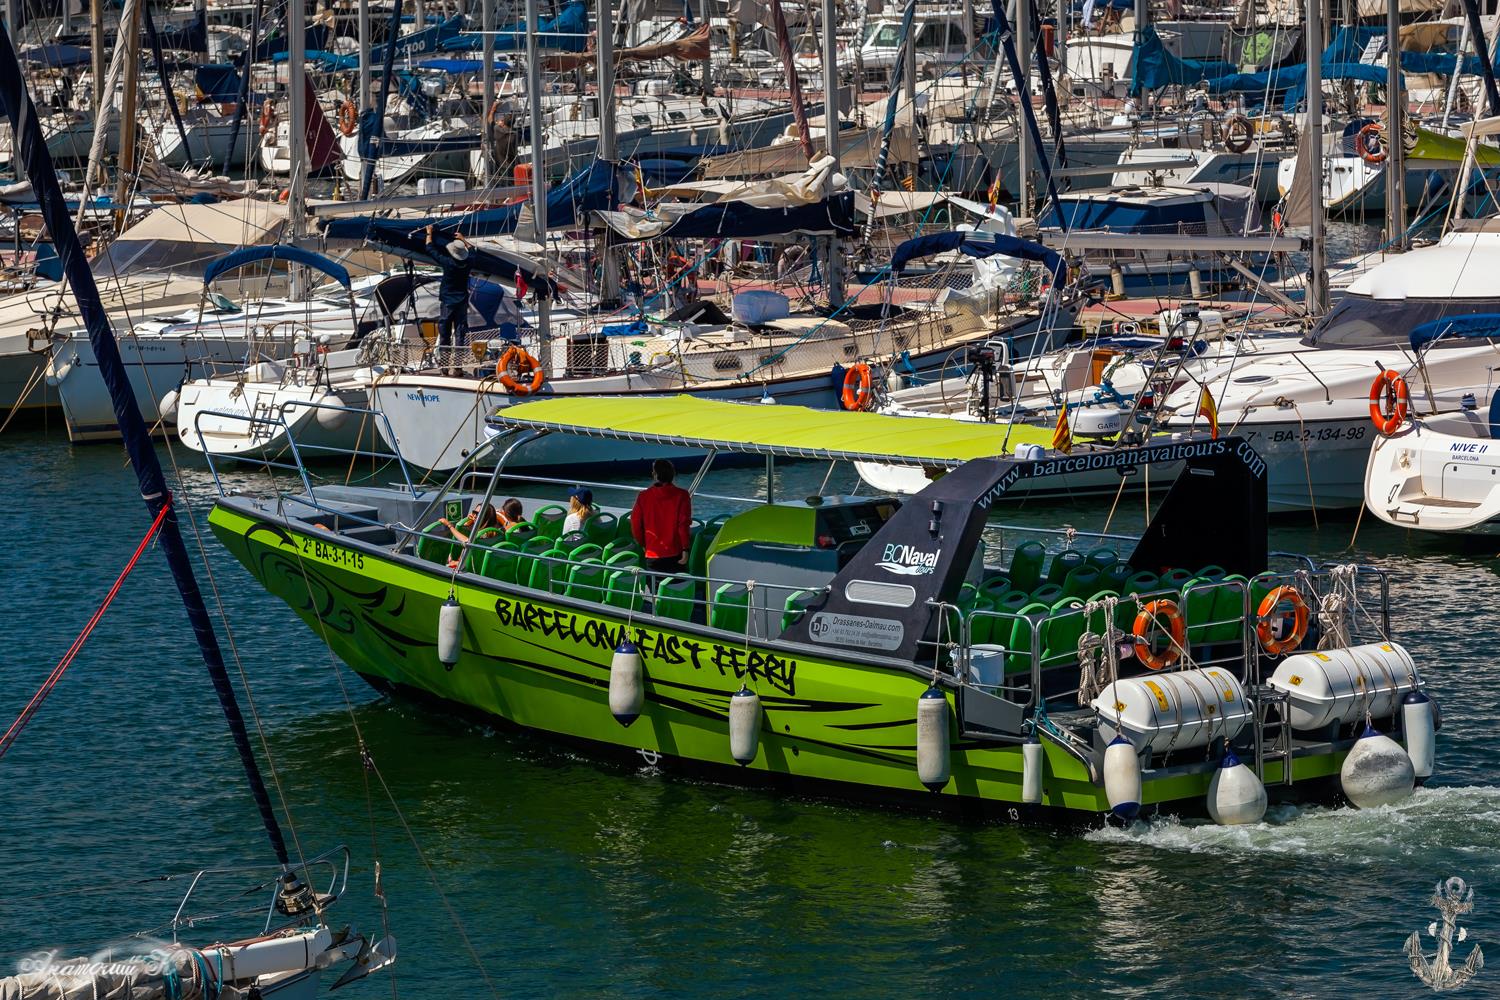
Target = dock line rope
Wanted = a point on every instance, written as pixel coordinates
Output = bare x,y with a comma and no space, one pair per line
35,703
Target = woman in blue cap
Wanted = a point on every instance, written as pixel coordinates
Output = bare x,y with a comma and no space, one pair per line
580,508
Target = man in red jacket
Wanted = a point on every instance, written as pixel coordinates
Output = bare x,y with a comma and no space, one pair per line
660,520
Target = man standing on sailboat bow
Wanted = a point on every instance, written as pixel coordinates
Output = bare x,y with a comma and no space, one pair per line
452,257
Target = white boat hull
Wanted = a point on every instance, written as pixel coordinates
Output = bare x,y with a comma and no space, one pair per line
1437,474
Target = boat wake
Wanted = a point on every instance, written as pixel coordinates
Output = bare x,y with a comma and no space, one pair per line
1434,820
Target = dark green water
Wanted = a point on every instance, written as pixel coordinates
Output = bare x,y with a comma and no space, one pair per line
571,878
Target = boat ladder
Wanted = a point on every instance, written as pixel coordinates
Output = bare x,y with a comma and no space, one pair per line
1273,709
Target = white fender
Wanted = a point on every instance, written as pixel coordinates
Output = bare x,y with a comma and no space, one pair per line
450,638
627,693
1418,725
1122,778
332,420
1032,760
744,725
167,408
1377,772
1235,795
932,739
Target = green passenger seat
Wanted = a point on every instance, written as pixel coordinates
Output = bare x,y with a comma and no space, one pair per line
549,571
1117,577
1021,634
549,520
995,585
1229,609
438,550
626,590
501,561
1175,579
674,598
1064,563
796,606
1083,581
1048,594
601,528
698,550
482,540
1026,566
572,540
587,581
588,550
521,532
730,609
1197,605
1061,632
618,547
1103,557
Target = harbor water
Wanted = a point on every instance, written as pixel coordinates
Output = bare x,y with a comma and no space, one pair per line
514,867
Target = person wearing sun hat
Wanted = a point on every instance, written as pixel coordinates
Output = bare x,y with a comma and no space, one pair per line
453,295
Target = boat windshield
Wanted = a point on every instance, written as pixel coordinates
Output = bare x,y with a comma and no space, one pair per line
180,257
1360,321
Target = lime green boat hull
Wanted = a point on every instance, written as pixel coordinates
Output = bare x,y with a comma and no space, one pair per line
542,662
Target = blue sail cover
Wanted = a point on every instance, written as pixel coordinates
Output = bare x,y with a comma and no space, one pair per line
567,32
1479,326
57,56
218,82
390,235
456,66
978,245
736,220
433,39
586,191
275,251
1154,67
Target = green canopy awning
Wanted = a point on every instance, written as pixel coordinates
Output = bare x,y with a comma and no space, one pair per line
773,429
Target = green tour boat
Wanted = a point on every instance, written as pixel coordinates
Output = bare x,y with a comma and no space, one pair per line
911,650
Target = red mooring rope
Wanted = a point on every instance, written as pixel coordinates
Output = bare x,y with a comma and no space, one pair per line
62,665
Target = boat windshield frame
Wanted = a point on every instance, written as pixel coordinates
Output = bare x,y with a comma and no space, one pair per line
1387,323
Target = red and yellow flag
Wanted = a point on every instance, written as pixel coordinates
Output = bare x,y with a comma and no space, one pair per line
1062,437
1206,408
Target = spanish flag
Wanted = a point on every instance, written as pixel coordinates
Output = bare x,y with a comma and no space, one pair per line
1062,437
1206,408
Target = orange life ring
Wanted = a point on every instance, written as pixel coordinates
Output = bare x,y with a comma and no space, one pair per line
348,118
1389,389
1239,134
1155,613
1269,613
1362,144
858,393
267,118
524,364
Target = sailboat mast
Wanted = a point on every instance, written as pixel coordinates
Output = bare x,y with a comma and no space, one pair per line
834,271
1395,146
538,186
1023,93
487,91
32,146
129,36
364,58
96,57
1317,278
296,125
609,286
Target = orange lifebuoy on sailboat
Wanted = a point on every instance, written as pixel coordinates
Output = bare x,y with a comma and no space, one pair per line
348,118
1370,154
859,393
1389,402
515,365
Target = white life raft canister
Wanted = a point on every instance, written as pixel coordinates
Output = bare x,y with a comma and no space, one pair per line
1174,711
1343,685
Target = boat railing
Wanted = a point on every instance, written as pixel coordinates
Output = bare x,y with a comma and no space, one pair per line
272,424
333,863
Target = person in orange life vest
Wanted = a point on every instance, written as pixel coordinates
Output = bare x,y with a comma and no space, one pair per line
661,519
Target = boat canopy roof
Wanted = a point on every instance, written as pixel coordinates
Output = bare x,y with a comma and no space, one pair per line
980,245
786,431
276,251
